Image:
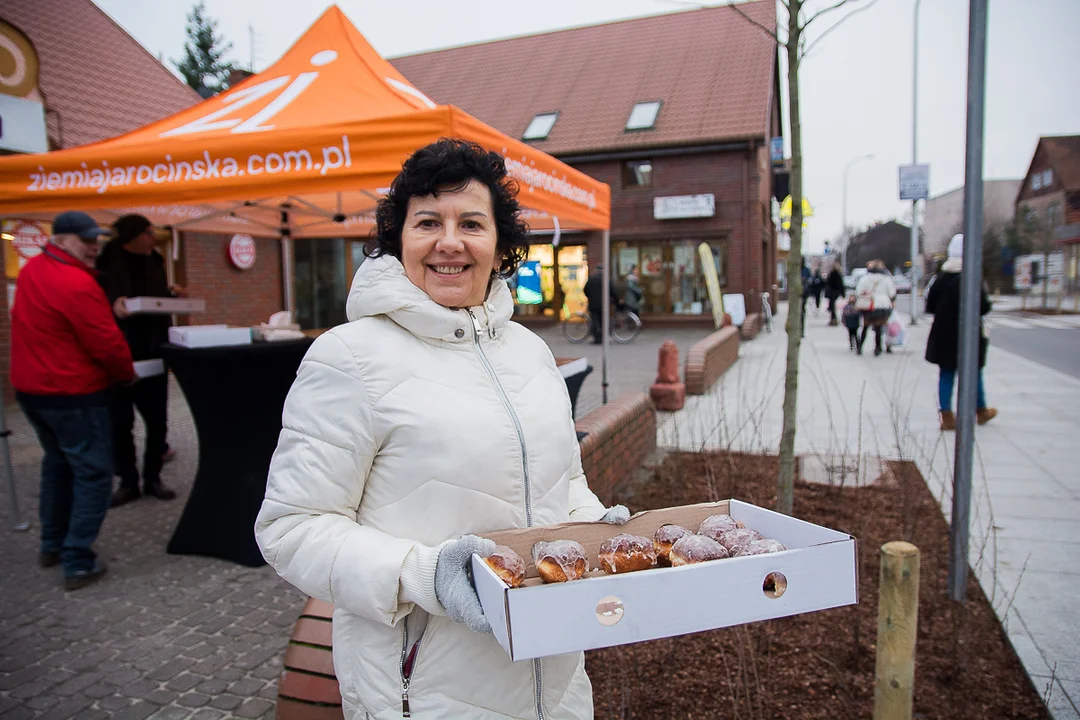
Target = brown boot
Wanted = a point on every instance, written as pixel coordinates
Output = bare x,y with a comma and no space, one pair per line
948,420
985,415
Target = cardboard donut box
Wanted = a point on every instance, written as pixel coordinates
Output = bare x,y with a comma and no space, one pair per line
816,572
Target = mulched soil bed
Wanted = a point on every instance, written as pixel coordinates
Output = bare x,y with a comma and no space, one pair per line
819,665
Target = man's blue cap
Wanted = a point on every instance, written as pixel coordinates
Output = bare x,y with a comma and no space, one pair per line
78,223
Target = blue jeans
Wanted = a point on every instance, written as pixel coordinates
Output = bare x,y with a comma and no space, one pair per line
946,381
76,479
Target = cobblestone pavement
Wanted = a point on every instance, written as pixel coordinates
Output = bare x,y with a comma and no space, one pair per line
161,636
175,636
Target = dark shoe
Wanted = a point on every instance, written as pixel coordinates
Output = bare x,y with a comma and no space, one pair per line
84,577
948,420
985,415
858,350
48,560
124,495
877,351
159,490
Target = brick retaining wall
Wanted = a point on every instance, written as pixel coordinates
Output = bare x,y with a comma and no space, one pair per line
710,358
620,436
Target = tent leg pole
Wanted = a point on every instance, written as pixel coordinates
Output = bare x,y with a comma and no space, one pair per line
18,524
286,266
605,325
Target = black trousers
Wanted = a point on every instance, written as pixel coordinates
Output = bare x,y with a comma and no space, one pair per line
877,335
597,325
151,397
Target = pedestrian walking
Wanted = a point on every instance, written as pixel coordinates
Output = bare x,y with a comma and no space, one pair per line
817,285
943,342
66,354
852,320
594,295
807,288
834,290
130,266
399,441
875,296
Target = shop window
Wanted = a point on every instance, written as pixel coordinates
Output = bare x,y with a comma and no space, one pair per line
669,274
643,116
540,127
321,282
637,173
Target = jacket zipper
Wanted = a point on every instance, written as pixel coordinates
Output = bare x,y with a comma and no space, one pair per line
409,658
477,333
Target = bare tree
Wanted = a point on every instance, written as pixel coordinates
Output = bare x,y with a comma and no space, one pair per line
792,40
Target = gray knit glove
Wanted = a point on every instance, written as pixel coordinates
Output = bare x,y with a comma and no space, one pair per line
616,515
454,587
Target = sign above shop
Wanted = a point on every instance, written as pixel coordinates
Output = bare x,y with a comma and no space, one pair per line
22,125
242,252
677,207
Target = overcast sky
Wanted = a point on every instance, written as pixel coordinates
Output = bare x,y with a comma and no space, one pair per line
856,84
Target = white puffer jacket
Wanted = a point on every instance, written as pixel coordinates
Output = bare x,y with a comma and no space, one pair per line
407,427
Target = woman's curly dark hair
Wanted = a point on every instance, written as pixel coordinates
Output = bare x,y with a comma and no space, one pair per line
448,165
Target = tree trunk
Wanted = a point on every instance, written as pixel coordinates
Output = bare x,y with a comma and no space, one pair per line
785,483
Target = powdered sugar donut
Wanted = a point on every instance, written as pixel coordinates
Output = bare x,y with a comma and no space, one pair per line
716,525
560,560
761,547
626,553
665,537
696,548
738,538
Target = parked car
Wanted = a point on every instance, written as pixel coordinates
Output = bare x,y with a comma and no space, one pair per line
850,281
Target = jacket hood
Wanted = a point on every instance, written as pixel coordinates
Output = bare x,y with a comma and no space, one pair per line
953,265
380,287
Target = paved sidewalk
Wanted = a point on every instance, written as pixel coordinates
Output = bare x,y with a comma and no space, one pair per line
161,636
1026,514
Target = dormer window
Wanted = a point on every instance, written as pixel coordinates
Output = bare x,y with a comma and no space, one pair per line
540,127
643,116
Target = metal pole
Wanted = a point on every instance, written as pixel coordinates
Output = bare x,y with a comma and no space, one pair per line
18,524
286,266
605,312
970,291
915,160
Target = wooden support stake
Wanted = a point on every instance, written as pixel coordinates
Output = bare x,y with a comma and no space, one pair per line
898,621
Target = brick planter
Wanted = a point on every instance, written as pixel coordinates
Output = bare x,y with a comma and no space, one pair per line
308,688
620,436
711,358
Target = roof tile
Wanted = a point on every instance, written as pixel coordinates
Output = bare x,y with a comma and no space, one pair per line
711,67
98,81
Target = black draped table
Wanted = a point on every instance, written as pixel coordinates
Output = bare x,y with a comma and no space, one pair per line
574,372
236,395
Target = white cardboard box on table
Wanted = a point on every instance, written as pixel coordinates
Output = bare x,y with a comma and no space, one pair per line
149,368
144,305
199,336
818,572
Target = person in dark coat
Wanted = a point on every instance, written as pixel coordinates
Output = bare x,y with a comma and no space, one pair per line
834,290
943,343
817,287
807,289
595,295
131,267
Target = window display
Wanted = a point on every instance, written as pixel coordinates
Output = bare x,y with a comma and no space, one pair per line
670,275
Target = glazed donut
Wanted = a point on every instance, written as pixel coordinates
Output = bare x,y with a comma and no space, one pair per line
761,547
665,537
627,553
738,538
560,560
716,525
508,565
696,548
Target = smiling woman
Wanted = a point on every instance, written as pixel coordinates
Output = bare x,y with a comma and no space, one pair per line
427,418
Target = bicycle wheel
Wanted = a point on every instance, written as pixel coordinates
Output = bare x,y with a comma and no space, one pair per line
576,327
625,327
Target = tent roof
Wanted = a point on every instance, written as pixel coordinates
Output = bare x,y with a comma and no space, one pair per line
321,134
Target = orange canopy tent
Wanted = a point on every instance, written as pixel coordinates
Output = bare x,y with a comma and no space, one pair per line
319,135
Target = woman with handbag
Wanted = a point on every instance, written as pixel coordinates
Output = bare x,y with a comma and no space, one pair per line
874,297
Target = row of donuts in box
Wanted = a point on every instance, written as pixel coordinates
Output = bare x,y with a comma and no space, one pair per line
718,537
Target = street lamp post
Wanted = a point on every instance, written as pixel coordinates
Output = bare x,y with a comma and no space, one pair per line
914,161
843,211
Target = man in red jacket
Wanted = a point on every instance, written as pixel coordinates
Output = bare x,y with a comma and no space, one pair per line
66,354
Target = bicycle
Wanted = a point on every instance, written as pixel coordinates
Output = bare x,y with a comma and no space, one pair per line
625,327
766,311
